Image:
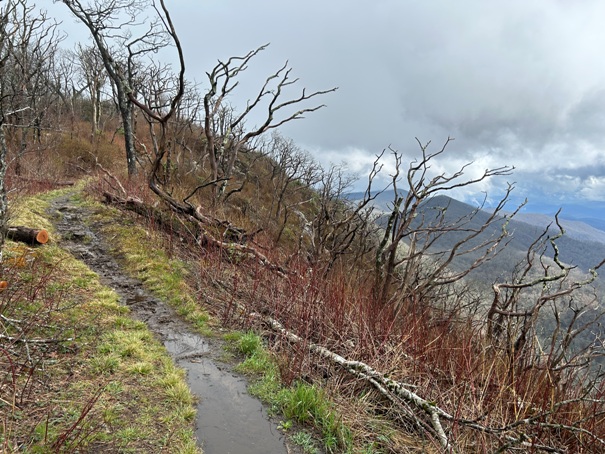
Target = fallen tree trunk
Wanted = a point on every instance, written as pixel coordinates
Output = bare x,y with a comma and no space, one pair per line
514,434
192,227
164,220
28,235
230,232
386,386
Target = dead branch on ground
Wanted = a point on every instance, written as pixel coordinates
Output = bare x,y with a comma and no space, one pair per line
512,434
191,226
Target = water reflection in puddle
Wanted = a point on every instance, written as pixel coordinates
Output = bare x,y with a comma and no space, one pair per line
229,420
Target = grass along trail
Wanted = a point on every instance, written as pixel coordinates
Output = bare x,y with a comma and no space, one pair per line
228,418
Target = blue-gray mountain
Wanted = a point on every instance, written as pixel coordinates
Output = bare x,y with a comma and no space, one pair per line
583,245
588,212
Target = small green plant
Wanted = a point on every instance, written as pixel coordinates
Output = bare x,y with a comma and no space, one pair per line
302,402
306,403
111,415
106,364
285,425
141,368
130,434
249,343
257,360
305,441
180,393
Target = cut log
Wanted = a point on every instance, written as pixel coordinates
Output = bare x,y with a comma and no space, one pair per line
28,235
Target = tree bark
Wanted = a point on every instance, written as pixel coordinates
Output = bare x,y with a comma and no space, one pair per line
3,198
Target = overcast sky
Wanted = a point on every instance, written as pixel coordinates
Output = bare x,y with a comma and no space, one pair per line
516,83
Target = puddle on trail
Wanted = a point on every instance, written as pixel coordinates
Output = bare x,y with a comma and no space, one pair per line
229,420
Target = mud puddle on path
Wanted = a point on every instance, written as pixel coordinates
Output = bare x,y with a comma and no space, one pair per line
229,420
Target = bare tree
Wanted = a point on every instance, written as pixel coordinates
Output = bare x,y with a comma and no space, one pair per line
341,228
160,103
94,74
517,308
158,86
224,134
111,25
224,127
185,157
28,41
293,174
33,53
66,85
411,232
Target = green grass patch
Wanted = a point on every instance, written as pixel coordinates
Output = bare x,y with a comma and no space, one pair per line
104,383
303,403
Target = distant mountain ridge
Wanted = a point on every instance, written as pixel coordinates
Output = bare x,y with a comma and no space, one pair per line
582,245
581,222
589,212
577,229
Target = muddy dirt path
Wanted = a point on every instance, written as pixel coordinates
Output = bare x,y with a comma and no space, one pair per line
229,420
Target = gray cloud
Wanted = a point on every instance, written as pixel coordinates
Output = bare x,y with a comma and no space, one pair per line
516,83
